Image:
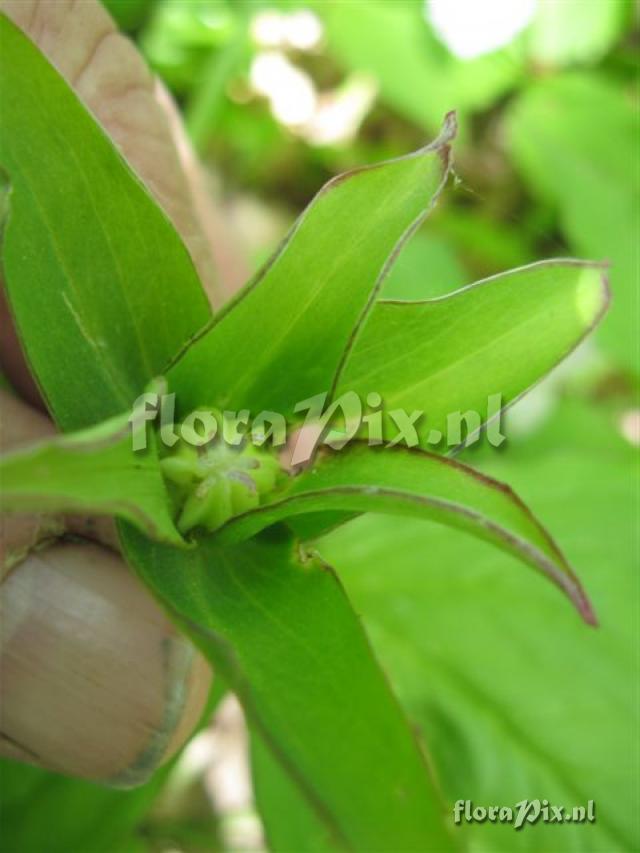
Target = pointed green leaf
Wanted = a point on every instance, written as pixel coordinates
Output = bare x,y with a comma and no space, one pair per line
277,625
284,337
405,482
92,471
102,289
496,337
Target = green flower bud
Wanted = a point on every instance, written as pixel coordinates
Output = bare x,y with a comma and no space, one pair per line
244,494
208,506
178,470
212,483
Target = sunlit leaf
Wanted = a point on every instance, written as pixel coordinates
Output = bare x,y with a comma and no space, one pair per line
283,339
497,337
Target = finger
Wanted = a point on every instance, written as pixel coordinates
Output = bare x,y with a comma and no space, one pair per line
96,682
12,358
111,79
81,638
19,534
21,423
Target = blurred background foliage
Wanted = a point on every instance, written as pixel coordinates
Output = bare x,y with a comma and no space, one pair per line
279,97
514,698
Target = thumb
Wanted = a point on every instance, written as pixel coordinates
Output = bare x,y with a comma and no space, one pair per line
96,682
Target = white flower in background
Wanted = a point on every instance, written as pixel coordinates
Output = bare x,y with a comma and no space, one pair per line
470,28
267,28
290,90
301,30
341,112
329,118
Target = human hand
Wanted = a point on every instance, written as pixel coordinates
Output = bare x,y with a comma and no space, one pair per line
96,681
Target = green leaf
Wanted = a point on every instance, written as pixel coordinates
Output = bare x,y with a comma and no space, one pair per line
289,821
278,627
91,471
40,811
404,482
275,345
496,337
518,701
575,139
101,287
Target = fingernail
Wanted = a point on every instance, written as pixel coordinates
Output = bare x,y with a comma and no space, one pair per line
96,681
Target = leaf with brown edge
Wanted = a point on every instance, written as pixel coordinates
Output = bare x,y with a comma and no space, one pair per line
102,289
414,483
285,336
499,336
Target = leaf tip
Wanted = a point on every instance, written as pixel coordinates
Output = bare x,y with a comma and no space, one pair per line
449,126
442,143
593,294
586,610
581,601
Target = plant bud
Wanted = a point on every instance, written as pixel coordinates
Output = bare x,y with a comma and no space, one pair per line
214,482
